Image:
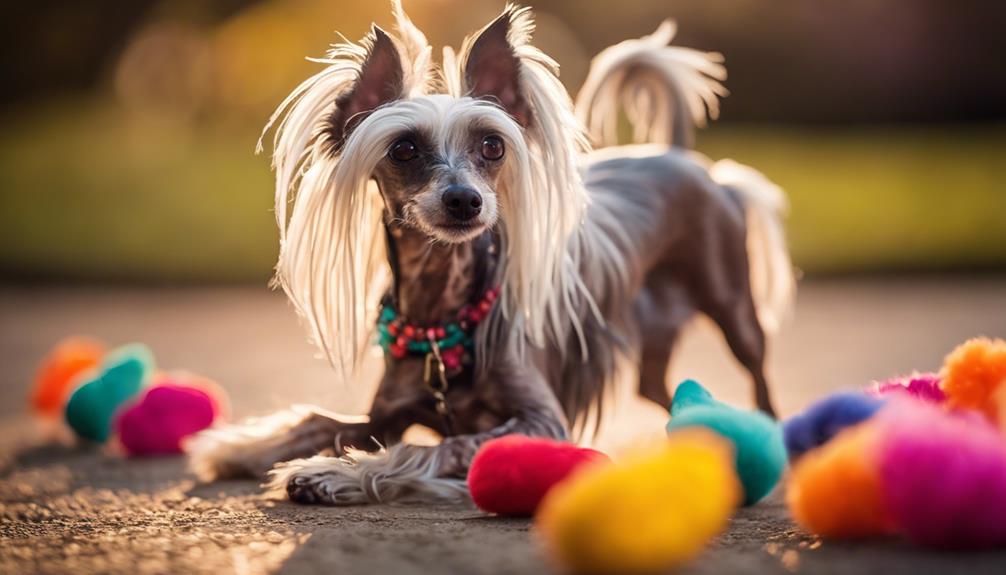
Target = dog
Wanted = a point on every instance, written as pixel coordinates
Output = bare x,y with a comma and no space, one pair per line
513,271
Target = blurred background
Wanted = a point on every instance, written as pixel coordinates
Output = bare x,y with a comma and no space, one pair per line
129,125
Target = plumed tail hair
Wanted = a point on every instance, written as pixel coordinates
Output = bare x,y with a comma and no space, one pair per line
665,91
772,280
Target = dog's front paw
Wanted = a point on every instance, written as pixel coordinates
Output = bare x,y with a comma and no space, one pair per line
302,489
318,481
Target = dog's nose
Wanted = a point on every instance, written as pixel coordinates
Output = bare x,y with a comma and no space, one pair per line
462,202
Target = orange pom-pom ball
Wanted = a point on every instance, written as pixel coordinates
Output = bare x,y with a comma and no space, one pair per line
835,490
59,371
974,376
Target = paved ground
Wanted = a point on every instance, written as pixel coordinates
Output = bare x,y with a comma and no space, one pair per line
81,510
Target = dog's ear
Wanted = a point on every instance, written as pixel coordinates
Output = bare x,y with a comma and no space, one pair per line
492,69
381,81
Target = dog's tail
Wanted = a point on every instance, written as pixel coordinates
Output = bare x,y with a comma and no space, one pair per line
773,284
665,91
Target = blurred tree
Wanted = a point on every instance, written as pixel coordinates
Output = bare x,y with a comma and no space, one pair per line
806,61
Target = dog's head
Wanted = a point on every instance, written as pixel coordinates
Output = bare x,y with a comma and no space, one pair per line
489,141
442,156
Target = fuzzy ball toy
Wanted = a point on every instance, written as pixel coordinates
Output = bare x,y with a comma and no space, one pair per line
943,475
170,410
757,438
654,511
122,375
826,418
835,490
511,475
59,371
974,376
921,386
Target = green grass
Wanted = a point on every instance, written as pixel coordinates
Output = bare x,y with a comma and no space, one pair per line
97,198
93,196
883,199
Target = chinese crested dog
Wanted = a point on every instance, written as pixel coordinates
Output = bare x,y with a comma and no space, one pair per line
512,273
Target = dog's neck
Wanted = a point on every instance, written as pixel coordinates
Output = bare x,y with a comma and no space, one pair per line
433,280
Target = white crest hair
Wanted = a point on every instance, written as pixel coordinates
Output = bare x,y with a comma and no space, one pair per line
332,261
664,90
415,52
543,293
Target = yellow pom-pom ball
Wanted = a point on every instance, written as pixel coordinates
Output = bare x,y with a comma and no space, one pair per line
974,376
655,510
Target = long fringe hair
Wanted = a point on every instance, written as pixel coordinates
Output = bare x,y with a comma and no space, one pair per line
332,262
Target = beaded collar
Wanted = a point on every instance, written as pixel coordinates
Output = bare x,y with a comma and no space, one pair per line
452,341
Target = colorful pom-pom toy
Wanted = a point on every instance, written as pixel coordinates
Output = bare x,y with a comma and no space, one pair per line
921,386
760,454
98,393
824,419
943,476
927,463
60,372
173,408
651,512
974,377
835,490
511,475
122,375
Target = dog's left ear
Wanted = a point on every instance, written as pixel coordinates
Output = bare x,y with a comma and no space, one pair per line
381,81
492,69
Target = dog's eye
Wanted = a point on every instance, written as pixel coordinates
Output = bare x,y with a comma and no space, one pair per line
492,147
403,150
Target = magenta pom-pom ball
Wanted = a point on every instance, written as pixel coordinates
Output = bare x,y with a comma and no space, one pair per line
921,386
165,415
943,476
511,475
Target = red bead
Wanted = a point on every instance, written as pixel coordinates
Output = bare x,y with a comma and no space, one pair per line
441,333
397,351
491,295
451,361
393,329
431,333
409,331
402,341
485,306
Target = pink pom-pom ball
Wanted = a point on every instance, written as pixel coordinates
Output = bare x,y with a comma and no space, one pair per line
943,475
175,407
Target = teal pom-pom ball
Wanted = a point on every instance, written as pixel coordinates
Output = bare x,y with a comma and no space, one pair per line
121,376
757,438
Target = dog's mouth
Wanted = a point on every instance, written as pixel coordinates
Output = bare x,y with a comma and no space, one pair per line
458,231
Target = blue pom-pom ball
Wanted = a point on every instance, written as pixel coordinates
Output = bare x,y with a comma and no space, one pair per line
825,418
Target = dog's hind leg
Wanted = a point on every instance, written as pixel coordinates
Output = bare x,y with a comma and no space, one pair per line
723,293
746,339
662,308
251,448
727,299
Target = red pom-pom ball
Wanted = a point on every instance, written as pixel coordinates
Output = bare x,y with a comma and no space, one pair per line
512,474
